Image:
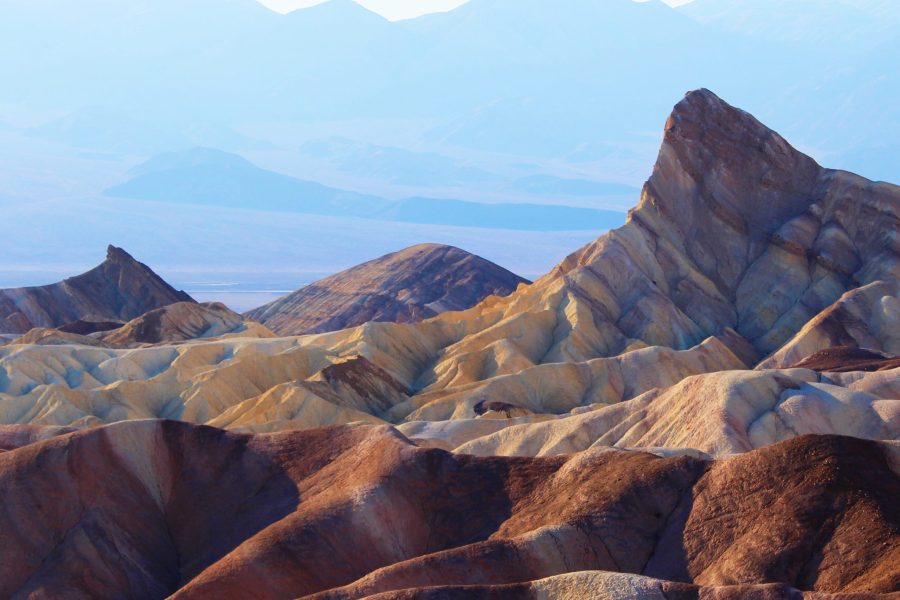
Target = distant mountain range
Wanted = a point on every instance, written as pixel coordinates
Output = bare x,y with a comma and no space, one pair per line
521,77
396,165
524,217
203,176
123,133
863,23
211,177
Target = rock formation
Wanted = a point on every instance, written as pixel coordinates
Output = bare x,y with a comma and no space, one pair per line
156,509
844,359
864,317
742,252
409,285
42,336
702,403
119,289
736,233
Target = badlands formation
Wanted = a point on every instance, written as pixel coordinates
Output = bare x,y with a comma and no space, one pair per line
743,258
409,285
702,403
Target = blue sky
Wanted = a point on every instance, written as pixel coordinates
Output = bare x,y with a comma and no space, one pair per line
395,9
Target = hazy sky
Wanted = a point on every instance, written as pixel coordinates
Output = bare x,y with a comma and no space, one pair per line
395,9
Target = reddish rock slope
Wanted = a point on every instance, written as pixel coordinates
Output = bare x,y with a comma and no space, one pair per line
153,508
171,324
180,322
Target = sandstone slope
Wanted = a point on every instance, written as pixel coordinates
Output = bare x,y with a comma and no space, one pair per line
410,285
719,414
153,509
272,384
119,289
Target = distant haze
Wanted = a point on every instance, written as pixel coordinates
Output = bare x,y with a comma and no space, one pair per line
396,10
242,152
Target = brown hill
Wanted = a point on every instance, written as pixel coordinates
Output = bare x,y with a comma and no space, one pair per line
152,509
119,289
410,285
180,322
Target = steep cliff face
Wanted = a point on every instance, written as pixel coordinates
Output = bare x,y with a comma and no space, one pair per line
406,286
737,236
119,289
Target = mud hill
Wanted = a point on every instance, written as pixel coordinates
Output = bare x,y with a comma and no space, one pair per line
406,286
161,509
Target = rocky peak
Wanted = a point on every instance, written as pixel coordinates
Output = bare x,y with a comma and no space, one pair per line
119,289
115,254
719,161
736,230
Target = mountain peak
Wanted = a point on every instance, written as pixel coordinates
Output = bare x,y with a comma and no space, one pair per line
338,9
119,289
116,254
745,232
704,106
720,160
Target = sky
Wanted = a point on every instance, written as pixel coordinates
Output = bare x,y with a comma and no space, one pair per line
395,10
